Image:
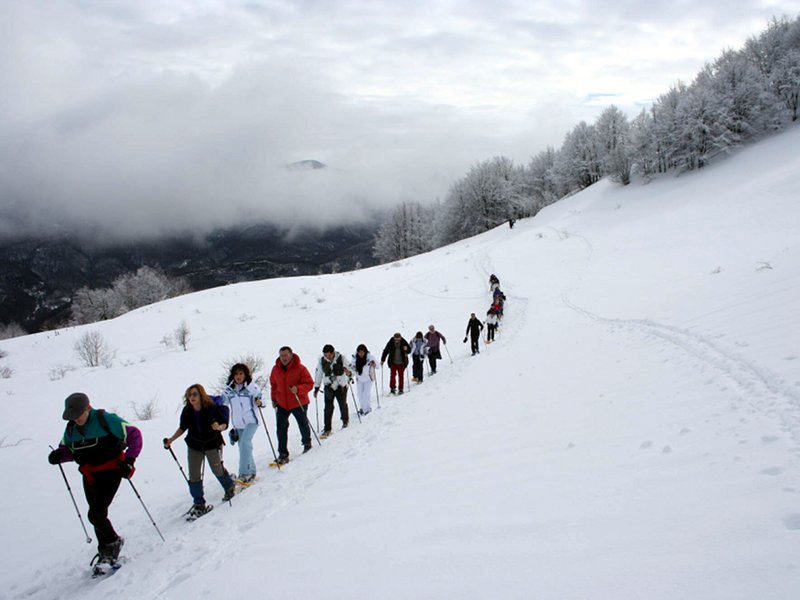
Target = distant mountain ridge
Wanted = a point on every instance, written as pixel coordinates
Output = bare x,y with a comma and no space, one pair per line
306,165
39,277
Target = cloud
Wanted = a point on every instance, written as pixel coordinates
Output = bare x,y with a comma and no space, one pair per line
143,119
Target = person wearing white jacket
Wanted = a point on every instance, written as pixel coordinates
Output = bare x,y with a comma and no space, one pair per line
243,396
334,376
491,325
363,364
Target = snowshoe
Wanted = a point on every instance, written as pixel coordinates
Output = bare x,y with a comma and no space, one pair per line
103,565
198,510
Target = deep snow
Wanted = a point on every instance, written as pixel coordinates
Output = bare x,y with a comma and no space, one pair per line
633,433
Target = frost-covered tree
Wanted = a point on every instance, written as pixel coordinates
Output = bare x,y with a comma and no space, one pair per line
127,292
491,192
543,180
612,134
407,232
579,160
786,81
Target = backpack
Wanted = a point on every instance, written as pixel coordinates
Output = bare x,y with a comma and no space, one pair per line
101,418
224,408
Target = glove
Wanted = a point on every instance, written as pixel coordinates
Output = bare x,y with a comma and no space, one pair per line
316,391
465,340
233,435
166,444
274,404
54,457
126,467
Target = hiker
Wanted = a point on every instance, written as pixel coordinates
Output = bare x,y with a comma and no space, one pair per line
494,282
497,306
105,448
203,421
433,338
396,351
332,376
419,350
474,327
491,325
363,364
290,383
244,397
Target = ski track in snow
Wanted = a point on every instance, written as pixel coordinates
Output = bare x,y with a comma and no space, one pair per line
758,387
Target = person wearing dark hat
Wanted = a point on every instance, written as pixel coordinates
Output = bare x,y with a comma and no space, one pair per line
105,448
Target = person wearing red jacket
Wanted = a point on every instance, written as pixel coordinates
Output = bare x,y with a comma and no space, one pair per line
290,383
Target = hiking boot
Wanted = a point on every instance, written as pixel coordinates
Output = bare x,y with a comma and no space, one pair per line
283,459
392,391
345,424
198,510
306,448
113,549
399,392
229,493
245,479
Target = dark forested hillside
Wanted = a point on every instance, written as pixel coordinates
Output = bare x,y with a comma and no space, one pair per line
39,277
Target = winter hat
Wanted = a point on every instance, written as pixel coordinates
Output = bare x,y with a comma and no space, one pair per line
74,406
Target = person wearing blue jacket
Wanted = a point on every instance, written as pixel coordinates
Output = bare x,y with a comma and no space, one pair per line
244,397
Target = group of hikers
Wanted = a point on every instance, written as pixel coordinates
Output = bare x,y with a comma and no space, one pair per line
493,317
106,447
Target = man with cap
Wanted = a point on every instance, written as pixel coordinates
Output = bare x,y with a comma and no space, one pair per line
105,448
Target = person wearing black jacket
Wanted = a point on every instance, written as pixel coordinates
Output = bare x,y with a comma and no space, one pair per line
396,351
474,328
204,421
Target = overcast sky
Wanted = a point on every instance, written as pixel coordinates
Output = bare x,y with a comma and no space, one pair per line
149,116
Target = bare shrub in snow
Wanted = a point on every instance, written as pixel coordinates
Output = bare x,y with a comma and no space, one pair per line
146,409
182,335
253,361
93,350
59,371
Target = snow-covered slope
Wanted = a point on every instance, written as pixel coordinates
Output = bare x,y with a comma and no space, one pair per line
633,433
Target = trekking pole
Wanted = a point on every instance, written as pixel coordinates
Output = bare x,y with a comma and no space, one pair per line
300,405
408,378
177,462
135,491
358,414
448,353
377,394
75,504
316,407
264,421
376,383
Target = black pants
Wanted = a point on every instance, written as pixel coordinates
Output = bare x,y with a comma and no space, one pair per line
474,343
340,394
99,496
282,420
490,332
433,355
416,369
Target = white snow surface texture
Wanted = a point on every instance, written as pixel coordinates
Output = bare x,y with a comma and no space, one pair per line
633,433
